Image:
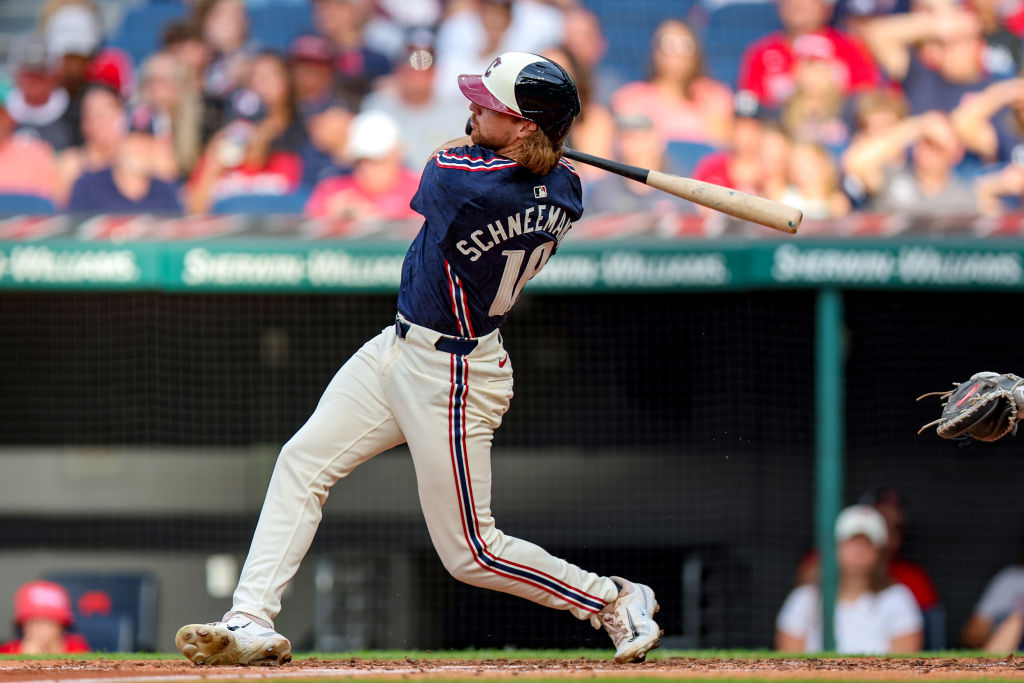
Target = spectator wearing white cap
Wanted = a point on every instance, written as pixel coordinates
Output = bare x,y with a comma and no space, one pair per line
380,187
873,615
73,32
72,29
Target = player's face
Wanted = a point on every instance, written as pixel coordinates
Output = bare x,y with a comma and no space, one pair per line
492,129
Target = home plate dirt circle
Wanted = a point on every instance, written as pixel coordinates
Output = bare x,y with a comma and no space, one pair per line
868,668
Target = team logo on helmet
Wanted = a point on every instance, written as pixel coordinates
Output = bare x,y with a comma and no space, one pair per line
496,62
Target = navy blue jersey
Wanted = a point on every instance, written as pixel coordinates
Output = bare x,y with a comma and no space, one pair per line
490,226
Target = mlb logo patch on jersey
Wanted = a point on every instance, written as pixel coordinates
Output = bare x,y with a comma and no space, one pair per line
540,191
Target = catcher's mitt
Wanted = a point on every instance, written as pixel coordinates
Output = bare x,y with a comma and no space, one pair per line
984,407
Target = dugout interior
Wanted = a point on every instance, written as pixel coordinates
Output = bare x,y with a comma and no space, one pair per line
665,437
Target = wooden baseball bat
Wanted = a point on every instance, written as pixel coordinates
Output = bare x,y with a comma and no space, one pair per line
733,202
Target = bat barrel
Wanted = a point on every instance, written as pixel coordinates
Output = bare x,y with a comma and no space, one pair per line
749,207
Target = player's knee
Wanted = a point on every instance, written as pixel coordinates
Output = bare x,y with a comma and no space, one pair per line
290,456
464,568
297,468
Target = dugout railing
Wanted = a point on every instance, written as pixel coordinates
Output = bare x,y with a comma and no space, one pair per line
690,411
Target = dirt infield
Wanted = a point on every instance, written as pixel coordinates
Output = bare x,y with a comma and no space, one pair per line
110,671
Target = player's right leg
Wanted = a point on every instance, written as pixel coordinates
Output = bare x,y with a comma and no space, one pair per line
449,406
350,425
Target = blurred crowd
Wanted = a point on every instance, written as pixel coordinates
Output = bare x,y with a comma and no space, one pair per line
875,105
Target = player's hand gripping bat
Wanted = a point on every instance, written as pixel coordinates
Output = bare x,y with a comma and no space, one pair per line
733,202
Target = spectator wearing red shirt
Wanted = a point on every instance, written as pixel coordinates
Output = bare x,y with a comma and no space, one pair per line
42,615
380,187
768,65
889,502
740,166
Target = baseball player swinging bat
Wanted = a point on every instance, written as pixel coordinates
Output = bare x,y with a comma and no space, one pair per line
495,206
733,202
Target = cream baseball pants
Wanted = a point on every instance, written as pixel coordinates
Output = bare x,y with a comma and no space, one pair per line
445,397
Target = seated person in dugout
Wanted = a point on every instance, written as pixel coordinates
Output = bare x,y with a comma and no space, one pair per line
42,617
873,614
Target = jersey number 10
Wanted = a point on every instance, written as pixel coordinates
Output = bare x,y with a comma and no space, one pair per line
512,281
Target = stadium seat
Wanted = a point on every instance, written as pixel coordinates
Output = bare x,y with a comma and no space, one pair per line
629,30
730,30
21,204
142,25
683,156
261,203
108,634
934,628
274,25
114,611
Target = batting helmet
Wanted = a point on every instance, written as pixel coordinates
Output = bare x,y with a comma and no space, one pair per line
42,600
529,87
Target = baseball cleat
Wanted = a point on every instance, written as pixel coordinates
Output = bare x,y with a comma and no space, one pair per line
239,640
629,620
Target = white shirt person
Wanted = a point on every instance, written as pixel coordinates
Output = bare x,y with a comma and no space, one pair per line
873,614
